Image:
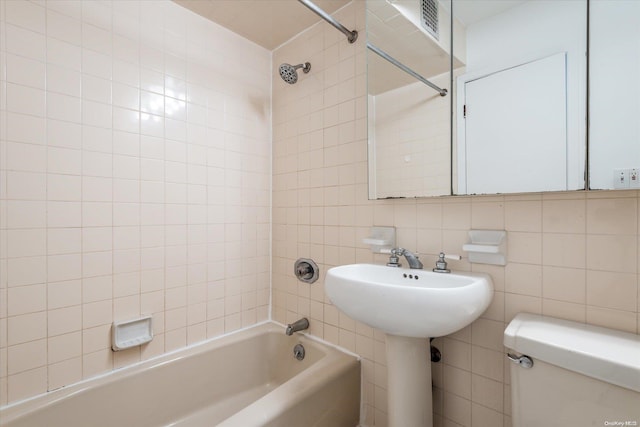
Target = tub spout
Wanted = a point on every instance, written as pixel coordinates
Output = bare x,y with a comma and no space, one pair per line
296,326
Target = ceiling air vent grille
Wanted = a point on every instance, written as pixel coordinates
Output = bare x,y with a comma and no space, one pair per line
429,15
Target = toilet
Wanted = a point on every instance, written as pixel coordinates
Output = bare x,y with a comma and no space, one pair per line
568,374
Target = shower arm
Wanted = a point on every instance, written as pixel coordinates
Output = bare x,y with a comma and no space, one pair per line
386,56
352,36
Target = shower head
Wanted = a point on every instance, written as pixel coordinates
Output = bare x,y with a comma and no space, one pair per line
290,75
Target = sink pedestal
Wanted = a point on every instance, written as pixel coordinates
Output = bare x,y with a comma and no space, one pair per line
409,382
404,302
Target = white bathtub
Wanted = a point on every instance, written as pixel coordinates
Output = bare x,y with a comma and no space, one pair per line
246,379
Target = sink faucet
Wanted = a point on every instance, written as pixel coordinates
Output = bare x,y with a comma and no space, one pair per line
296,326
412,258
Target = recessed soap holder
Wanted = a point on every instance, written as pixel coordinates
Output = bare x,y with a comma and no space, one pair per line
381,240
131,333
487,247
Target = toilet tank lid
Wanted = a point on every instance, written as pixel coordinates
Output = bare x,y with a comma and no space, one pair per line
605,354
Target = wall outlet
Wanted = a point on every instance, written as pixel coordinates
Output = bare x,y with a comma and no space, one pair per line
634,178
621,178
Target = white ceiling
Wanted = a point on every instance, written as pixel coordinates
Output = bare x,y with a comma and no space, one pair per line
268,23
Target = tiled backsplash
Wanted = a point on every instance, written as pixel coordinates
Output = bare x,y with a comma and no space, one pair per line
135,179
571,255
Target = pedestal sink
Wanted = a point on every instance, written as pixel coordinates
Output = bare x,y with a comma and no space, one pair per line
410,306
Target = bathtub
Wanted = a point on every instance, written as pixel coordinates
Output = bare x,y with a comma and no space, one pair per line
245,379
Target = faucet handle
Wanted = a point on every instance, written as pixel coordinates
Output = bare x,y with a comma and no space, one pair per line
394,257
441,264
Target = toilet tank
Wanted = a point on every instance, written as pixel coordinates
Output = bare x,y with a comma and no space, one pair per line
581,376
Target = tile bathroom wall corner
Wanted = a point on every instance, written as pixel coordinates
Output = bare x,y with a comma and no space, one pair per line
134,179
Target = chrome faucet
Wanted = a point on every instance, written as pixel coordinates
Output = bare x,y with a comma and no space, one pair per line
412,259
296,326
441,264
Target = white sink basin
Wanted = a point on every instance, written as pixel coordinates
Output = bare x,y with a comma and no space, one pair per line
409,306
406,302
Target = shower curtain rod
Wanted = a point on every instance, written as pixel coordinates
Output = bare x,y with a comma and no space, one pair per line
352,36
384,55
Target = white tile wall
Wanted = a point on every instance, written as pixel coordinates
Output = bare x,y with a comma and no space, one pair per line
135,143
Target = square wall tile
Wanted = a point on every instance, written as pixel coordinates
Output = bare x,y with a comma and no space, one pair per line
26,384
564,216
617,253
612,290
27,356
27,327
26,299
612,216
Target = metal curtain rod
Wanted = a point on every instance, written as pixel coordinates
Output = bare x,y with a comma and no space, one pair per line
352,36
383,54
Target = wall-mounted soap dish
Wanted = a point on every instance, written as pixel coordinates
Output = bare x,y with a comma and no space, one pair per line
381,240
131,333
487,247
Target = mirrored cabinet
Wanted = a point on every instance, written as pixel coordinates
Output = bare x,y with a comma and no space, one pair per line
614,94
515,107
408,71
520,98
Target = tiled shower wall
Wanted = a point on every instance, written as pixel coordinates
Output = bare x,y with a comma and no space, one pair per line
571,255
134,179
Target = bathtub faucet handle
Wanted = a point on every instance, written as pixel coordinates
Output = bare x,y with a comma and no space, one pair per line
296,326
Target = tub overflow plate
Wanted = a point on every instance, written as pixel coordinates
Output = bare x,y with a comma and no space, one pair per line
298,351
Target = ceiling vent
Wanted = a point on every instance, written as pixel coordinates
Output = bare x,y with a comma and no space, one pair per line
429,17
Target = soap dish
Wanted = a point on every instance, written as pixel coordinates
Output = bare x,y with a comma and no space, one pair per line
381,240
487,247
131,333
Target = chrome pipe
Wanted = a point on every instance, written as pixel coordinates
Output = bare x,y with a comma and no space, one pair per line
352,36
386,56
